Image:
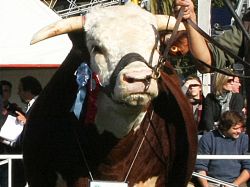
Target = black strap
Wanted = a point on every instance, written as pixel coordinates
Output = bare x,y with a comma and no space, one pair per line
174,32
163,58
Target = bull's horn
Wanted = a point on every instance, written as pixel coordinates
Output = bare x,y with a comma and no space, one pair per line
60,27
167,22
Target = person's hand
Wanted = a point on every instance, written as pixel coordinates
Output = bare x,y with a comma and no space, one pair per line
190,82
187,83
4,112
188,5
21,118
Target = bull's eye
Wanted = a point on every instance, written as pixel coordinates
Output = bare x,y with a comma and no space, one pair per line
96,49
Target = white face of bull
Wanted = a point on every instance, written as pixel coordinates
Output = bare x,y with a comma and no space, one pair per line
112,33
116,33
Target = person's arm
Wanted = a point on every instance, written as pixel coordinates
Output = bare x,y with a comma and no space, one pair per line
245,163
202,165
203,182
244,177
197,43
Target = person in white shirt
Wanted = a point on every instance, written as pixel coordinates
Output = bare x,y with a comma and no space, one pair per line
28,89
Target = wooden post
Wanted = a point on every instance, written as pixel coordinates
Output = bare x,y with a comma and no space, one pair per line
204,16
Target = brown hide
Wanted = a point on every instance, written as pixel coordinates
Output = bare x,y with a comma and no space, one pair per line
186,133
169,149
52,134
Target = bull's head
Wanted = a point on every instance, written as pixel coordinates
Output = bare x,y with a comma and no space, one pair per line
122,48
111,34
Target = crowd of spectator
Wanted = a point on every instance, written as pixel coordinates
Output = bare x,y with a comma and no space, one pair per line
220,118
29,89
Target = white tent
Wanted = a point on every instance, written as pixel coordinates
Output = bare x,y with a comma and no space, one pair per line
19,20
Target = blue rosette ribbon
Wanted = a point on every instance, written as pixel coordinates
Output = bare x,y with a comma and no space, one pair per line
83,75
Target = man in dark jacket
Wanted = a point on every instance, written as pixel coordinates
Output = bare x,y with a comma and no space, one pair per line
29,89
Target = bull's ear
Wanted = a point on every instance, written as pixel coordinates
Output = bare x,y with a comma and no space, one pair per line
166,22
79,43
78,39
60,27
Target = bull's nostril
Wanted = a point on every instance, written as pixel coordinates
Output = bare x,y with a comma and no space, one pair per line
148,78
130,80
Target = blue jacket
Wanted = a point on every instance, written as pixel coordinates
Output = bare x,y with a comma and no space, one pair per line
213,143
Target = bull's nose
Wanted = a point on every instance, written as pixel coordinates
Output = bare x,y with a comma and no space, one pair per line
131,80
141,82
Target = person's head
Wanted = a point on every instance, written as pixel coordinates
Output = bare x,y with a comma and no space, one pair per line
6,87
28,88
236,85
1,100
231,124
193,83
223,83
3,111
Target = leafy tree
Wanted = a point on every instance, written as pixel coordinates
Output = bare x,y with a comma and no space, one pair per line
220,3
217,3
162,7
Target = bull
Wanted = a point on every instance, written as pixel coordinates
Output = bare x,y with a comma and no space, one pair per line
135,125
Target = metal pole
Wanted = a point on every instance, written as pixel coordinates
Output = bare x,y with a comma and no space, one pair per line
9,172
238,10
224,157
217,181
237,19
204,16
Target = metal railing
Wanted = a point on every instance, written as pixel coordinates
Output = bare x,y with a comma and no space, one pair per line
217,181
83,9
7,159
219,157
